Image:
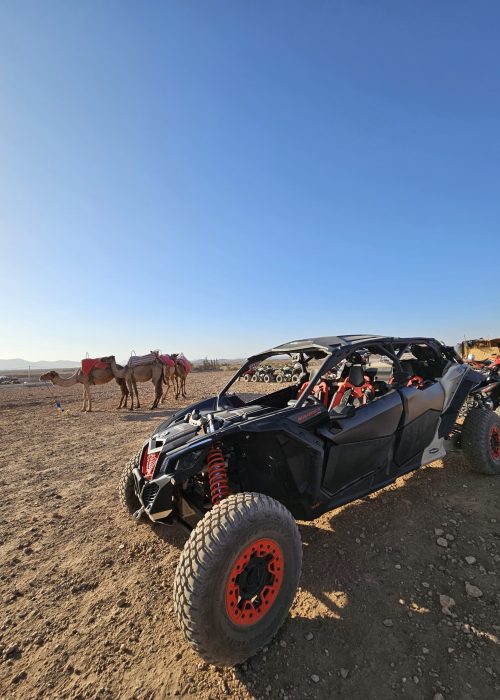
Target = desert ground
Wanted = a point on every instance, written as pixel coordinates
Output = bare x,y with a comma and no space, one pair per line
87,594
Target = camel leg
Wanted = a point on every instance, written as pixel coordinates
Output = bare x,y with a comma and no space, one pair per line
85,395
130,386
124,396
121,397
157,385
137,404
167,382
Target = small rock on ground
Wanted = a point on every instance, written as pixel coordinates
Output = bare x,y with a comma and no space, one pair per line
473,591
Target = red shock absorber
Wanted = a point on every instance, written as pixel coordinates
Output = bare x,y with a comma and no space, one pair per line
217,475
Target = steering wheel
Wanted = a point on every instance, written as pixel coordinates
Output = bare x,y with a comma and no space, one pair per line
314,400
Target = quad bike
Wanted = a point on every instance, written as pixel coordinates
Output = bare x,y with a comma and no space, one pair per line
264,373
238,473
248,375
284,374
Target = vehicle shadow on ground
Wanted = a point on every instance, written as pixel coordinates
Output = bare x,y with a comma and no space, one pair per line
363,617
148,415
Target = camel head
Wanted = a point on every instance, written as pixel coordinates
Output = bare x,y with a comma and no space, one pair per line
48,376
108,359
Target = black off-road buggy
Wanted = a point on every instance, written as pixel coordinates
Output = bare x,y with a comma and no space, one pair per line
237,470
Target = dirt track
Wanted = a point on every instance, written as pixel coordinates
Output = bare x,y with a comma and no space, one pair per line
86,594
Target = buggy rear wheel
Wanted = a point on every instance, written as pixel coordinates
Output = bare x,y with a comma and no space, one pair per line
267,378
246,377
295,378
279,378
481,441
237,577
254,378
126,487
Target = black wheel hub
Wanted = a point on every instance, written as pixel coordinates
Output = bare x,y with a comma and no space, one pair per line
254,577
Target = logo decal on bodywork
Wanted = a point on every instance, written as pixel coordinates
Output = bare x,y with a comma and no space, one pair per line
310,413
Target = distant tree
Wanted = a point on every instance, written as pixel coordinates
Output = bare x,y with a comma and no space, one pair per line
210,365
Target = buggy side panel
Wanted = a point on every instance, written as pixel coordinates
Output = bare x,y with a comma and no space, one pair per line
422,412
284,464
430,415
361,446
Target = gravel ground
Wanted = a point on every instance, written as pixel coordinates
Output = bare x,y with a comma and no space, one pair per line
399,595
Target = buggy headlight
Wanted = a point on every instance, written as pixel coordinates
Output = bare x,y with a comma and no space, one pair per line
189,460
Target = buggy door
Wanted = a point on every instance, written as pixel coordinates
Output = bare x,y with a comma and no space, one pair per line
360,447
423,397
422,413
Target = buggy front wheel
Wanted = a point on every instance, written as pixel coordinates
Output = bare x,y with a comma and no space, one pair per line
237,576
126,487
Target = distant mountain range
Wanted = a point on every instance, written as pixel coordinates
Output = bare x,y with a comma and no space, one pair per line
19,363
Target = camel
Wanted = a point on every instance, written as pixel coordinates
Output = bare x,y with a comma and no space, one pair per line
169,378
176,373
152,371
96,376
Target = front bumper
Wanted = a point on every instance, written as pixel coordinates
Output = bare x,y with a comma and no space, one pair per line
155,495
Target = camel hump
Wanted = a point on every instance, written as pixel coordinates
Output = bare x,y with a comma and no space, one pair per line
135,360
184,362
90,363
166,360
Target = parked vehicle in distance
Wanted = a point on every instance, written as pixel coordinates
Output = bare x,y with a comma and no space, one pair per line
238,473
264,373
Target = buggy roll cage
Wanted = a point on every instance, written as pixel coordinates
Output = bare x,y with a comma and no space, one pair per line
334,352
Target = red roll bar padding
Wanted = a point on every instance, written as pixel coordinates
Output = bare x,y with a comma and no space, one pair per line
416,381
357,392
321,392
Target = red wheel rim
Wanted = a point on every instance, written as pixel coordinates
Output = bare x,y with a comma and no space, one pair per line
254,582
495,442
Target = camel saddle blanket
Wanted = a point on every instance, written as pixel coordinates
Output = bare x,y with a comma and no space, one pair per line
136,360
167,360
184,362
88,364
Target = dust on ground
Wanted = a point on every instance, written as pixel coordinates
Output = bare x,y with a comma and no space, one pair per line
87,594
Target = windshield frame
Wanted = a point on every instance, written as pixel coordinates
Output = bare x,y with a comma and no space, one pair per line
258,359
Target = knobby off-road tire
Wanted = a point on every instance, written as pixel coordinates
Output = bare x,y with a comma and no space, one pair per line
128,499
245,530
481,441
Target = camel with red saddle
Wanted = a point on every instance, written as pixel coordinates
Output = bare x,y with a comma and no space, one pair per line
142,368
176,367
93,372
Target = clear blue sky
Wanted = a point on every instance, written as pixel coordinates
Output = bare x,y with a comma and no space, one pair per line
216,177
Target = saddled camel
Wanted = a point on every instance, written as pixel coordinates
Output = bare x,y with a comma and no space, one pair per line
175,374
152,371
95,377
